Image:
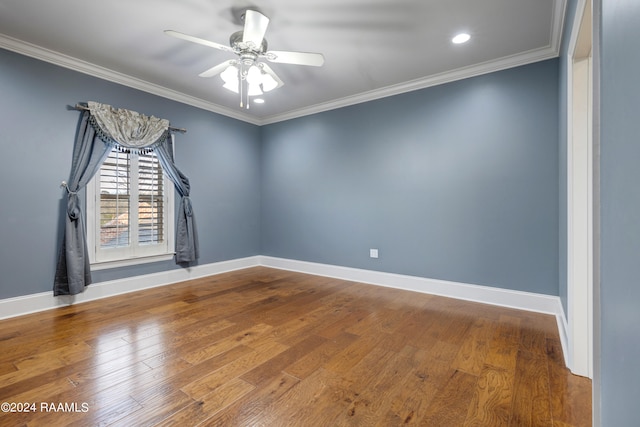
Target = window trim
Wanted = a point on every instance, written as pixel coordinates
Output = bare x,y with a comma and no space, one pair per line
93,230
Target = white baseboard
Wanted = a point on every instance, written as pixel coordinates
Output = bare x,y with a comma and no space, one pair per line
528,301
12,307
18,306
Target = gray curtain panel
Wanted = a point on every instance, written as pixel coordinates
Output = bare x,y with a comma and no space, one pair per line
72,271
101,129
186,237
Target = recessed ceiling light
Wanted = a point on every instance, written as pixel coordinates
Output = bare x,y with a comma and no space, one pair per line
259,101
461,38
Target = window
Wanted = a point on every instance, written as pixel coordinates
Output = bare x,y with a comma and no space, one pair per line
129,211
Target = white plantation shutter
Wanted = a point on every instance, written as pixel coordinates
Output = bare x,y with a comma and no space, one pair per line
115,189
150,200
132,216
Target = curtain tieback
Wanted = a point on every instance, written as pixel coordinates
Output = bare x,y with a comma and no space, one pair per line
187,206
66,187
73,209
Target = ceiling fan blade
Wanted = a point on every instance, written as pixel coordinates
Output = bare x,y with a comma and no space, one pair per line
197,40
269,71
298,58
255,26
215,70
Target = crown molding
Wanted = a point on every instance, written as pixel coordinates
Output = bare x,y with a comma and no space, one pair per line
422,83
103,73
56,58
557,25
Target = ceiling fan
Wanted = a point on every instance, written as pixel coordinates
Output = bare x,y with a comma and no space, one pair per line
246,75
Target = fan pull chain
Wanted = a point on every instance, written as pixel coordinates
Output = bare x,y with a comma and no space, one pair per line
241,86
244,85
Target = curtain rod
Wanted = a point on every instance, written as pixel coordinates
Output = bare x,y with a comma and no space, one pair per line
82,107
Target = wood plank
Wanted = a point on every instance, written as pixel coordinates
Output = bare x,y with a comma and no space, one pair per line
271,368
378,395
211,380
312,361
530,405
418,390
346,359
157,409
202,384
179,380
532,338
310,399
491,403
255,406
474,347
356,397
340,322
225,342
209,404
450,405
503,351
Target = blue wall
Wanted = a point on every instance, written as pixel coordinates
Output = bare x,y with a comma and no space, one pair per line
456,182
619,303
221,156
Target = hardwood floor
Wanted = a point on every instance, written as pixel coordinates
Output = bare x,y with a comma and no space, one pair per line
265,347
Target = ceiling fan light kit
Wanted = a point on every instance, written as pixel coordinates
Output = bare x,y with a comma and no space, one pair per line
247,76
258,81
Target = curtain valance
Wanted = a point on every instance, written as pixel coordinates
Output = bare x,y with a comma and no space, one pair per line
127,129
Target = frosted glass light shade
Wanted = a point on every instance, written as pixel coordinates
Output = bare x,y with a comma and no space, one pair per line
233,87
268,82
230,76
254,75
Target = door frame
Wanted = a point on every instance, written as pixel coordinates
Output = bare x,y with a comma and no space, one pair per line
580,192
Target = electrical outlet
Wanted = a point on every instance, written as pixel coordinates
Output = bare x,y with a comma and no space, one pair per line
373,253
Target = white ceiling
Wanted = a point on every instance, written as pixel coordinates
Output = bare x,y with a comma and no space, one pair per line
372,48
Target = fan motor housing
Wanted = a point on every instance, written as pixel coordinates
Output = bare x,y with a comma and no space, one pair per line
235,41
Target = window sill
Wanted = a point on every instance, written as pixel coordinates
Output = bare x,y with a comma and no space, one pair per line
130,261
